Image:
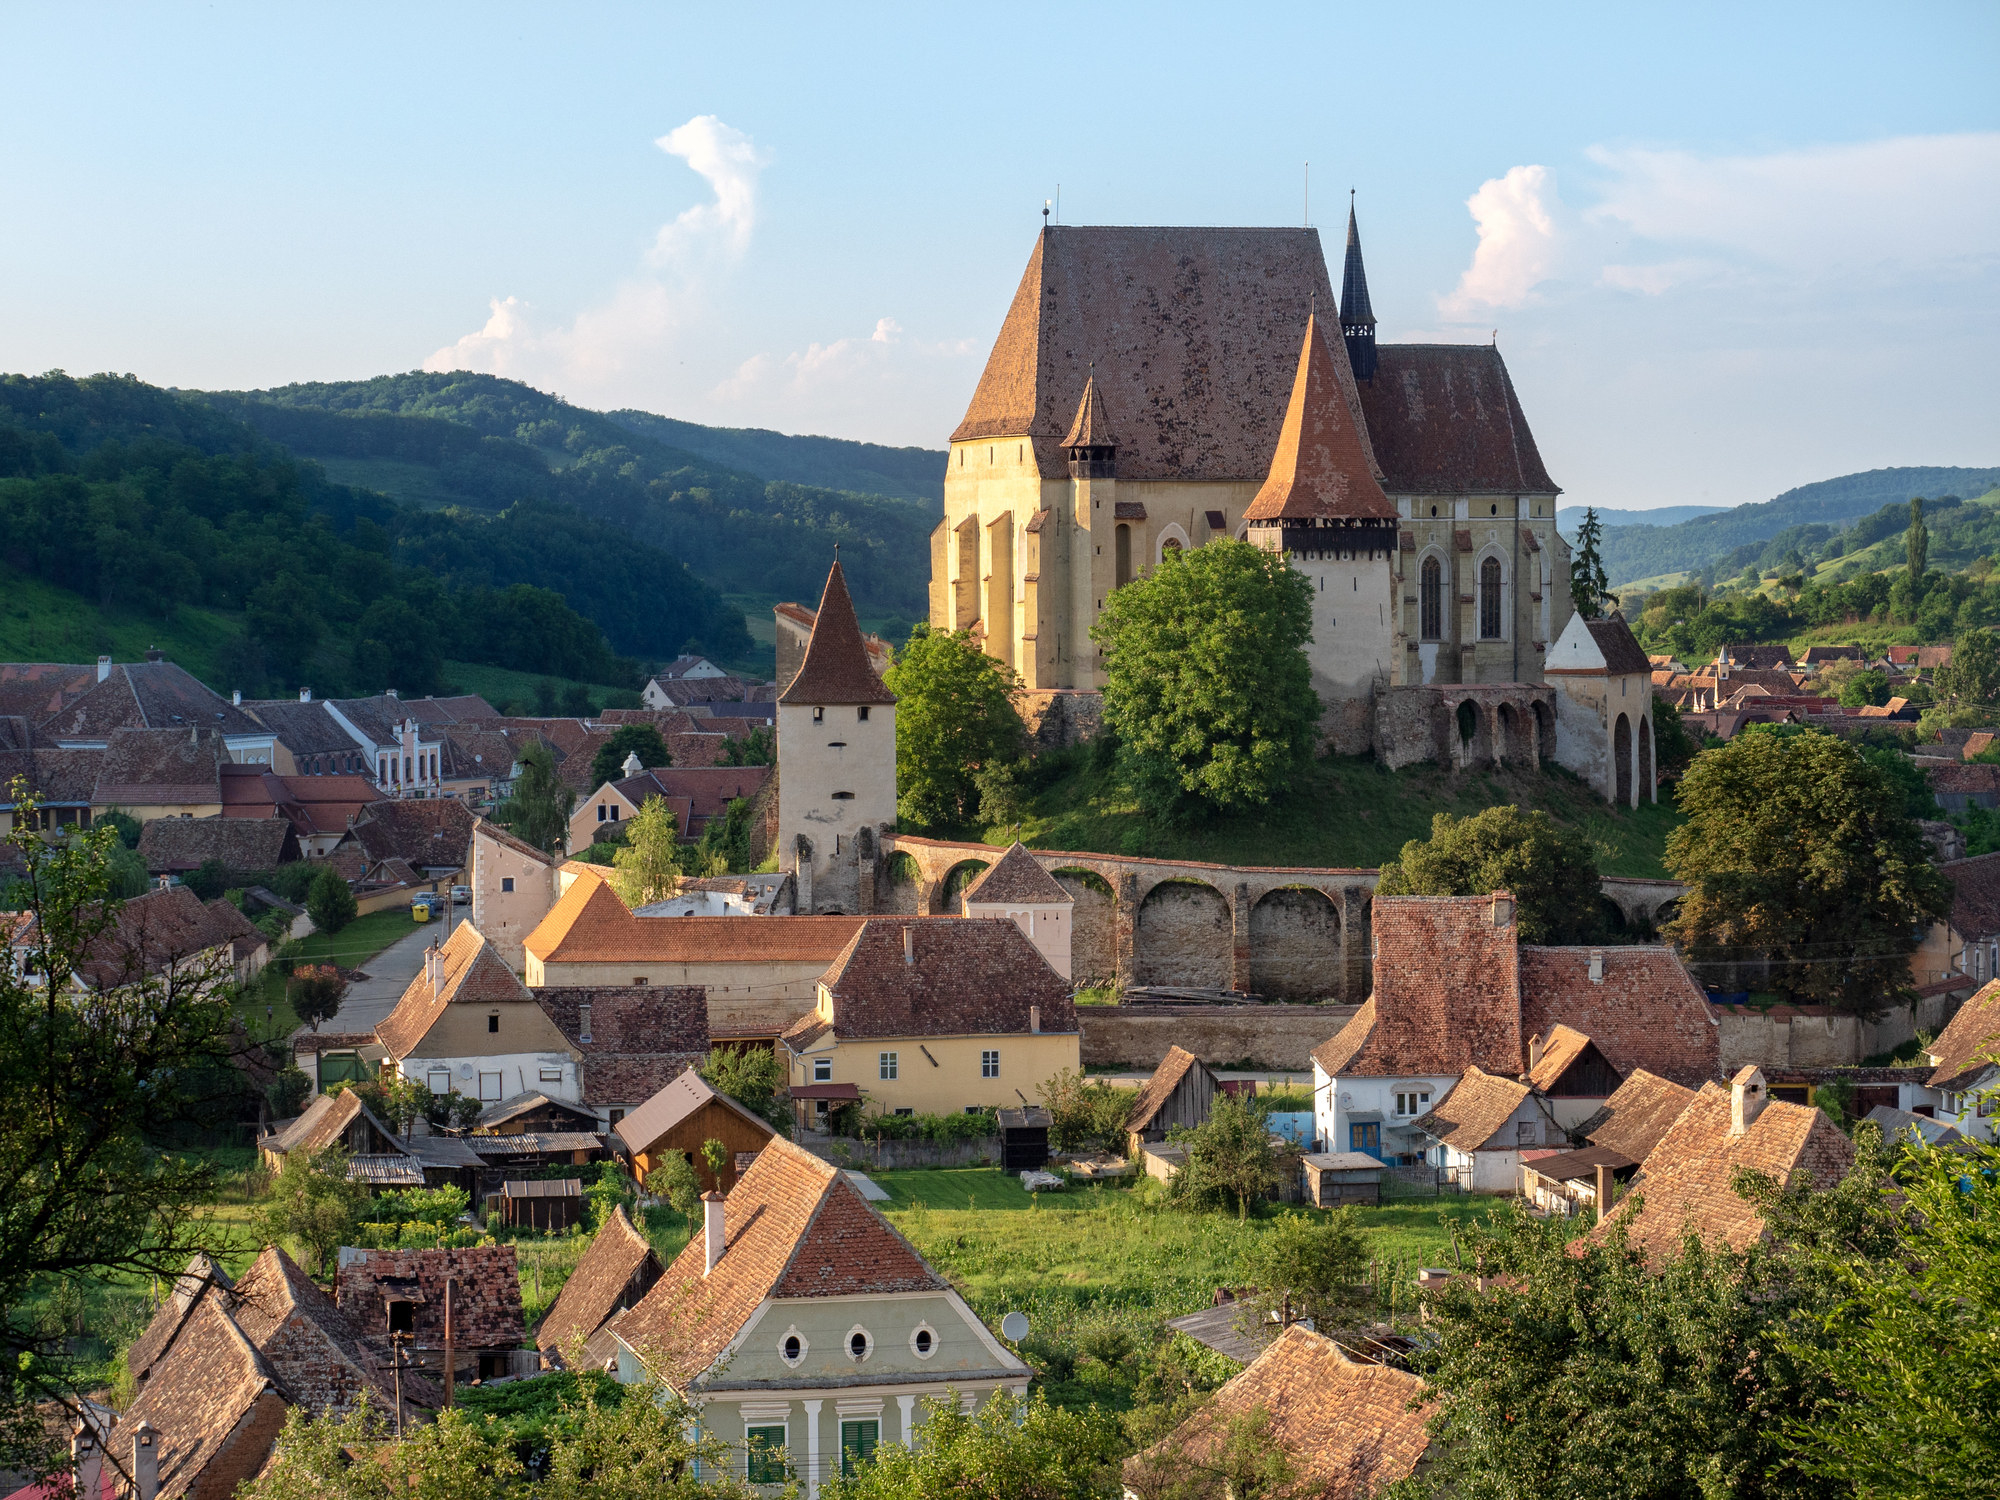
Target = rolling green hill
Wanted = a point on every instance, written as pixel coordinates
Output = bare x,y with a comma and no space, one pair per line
826,463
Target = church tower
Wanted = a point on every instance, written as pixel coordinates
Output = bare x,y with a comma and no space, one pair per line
1323,508
836,763
1357,318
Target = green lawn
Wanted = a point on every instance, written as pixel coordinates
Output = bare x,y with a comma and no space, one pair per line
349,948
40,622
1345,812
501,686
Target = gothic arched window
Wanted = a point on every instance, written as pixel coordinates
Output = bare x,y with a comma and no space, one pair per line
1489,599
1430,595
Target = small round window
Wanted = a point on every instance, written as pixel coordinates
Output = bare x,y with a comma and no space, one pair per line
859,1344
923,1342
1434,510
792,1347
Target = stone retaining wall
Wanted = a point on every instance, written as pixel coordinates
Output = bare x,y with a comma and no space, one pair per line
1279,1037
1810,1038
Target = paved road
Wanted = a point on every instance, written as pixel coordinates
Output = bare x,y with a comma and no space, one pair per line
389,974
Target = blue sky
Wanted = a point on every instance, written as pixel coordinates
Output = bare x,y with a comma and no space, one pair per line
1727,249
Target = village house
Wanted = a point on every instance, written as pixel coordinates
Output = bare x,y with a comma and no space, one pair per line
402,745
695,796
1481,1128
432,836
413,1292
310,741
63,782
683,1117
513,886
319,807
1965,1062
1017,888
934,1015
616,1272
168,935
805,1328
1455,988
630,1041
1960,787
1685,1183
377,1156
1967,942
1631,1122
178,846
161,773
1179,1095
681,671
158,696
1347,1428
466,1022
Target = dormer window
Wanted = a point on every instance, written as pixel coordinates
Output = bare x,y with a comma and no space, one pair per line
402,1317
819,716
861,713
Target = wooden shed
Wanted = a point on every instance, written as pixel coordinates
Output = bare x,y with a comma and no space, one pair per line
1181,1092
1333,1178
1024,1139
682,1117
548,1203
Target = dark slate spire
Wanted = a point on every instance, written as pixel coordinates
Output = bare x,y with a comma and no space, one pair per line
1357,318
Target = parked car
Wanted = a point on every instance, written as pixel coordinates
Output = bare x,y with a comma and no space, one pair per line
460,894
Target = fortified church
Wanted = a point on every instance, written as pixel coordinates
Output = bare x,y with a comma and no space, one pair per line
1153,389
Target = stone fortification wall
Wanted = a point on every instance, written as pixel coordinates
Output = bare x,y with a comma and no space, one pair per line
1808,1037
1057,718
1279,1037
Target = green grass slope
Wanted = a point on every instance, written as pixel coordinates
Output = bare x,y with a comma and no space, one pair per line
1345,813
40,622
829,463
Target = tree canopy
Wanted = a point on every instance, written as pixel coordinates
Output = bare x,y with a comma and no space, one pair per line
648,864
1206,682
642,740
1550,870
538,808
1589,587
955,715
1799,851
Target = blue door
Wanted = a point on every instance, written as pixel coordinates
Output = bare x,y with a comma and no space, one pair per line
1366,1137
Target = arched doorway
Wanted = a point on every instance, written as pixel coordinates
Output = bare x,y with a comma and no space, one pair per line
1475,739
1621,752
1545,730
1295,945
1515,747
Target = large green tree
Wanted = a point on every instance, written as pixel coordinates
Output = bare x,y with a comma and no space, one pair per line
955,715
1918,541
1973,674
642,740
1230,1158
1006,1450
538,809
1206,681
649,861
91,1077
1550,870
1797,851
1589,586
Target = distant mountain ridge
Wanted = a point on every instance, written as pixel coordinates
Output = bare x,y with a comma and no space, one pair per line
831,463
1571,516
1646,551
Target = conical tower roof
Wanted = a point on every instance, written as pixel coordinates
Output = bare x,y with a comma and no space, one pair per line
1321,468
836,669
1092,427
1355,311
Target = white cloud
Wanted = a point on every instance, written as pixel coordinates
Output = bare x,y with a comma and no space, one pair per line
730,161
1518,243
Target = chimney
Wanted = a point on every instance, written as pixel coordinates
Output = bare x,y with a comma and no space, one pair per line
434,968
1746,1099
389,692
103,668
583,1023
145,1460
1597,966
236,698
1035,1019
1603,1191
909,945
632,766
711,1228
86,1462
1503,909
305,695
155,654
1535,1046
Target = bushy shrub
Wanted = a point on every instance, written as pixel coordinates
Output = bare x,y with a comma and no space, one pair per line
943,1130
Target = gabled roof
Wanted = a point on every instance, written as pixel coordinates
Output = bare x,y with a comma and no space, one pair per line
1474,1115
1347,1429
37,690
1092,427
1322,467
1157,1090
486,1292
425,832
1975,900
161,767
1192,333
793,1226
521,1104
487,829
1602,646
1564,1047
1970,1044
941,976
1900,1125
1443,419
1447,990
151,933
620,1261
1017,878
198,1400
641,1036
320,1357
1685,1182
590,924
472,973
700,792
61,778
836,669
146,695
172,844
202,1278
684,1096
305,729
1639,1112
1647,1012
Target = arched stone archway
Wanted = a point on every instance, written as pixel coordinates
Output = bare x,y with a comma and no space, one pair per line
1295,947
1621,755
953,885
1184,936
1473,735
1093,936
902,889
1515,742
1545,729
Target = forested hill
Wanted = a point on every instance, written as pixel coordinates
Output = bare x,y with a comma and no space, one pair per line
148,500
476,440
829,463
1632,552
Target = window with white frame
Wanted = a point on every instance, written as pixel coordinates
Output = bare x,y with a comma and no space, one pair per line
886,1062
489,1088
989,1064
1414,1102
440,1080
822,1070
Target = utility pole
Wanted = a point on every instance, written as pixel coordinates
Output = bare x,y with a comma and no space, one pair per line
450,1344
396,1362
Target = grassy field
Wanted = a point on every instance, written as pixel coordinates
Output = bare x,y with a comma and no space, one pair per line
1346,813
350,948
501,686
40,622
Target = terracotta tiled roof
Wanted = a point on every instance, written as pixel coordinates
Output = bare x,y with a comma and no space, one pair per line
642,1128
641,1036
1092,427
473,974
1336,1052
486,1298
161,767
963,976
1773,657
243,936
1155,1091
577,769
149,934
1443,419
1620,647
1474,1114
1975,902
1970,1044
1967,780
1684,1183
1641,1110
836,669
215,1403
1017,878
1347,1429
706,791
793,1227
616,1271
432,833
305,729
37,690
61,778
1322,467
202,1278
1647,1013
590,924
1563,1047
146,695
322,1361
174,844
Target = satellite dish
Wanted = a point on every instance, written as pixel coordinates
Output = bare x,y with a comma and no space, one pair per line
1014,1327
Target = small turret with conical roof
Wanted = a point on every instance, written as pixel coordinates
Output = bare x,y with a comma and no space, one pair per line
1357,318
1093,451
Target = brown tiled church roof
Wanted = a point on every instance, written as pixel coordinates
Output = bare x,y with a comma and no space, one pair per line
1017,877
1322,467
1443,420
836,669
1622,652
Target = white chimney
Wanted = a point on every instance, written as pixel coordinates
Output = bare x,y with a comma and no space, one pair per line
632,766
1597,966
390,692
86,1462
103,668
1746,1099
1503,909
305,695
434,968
909,945
1603,1191
711,1229
236,697
1035,1019
145,1460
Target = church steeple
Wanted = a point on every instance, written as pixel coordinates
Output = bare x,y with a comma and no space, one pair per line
1357,318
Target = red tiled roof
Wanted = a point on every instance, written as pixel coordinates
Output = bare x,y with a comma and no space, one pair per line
962,976
1322,468
1970,1043
641,1036
1975,902
472,973
425,832
836,669
1443,419
1971,780
1620,647
161,767
1647,1013
1017,878
1474,1115
617,1270
215,1403
241,844
590,924
1641,1110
